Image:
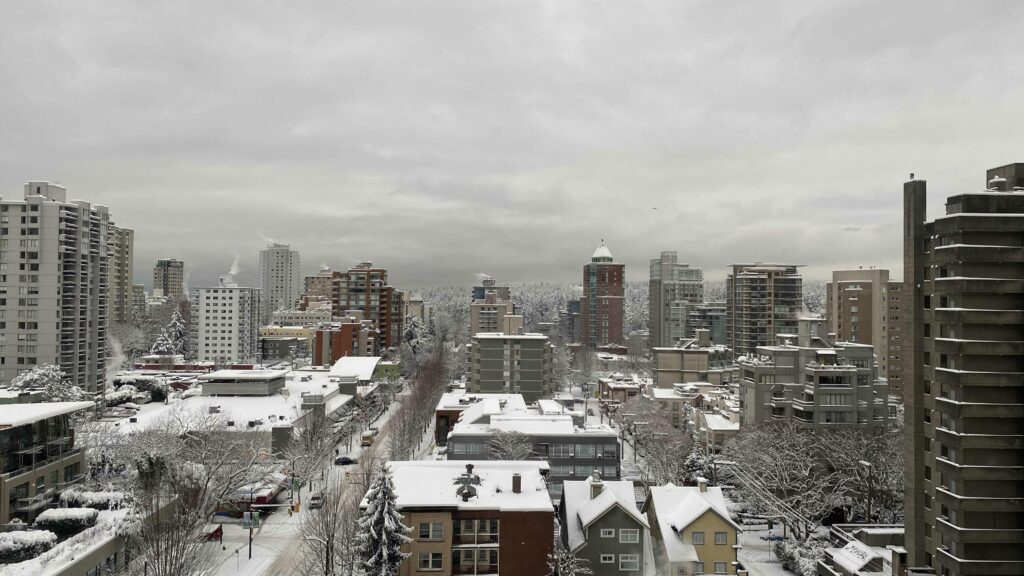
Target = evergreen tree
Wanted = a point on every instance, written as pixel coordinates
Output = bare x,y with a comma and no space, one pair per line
696,463
177,333
381,532
162,346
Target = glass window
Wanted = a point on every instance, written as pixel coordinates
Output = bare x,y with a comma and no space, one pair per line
721,538
607,558
629,536
698,567
607,533
629,562
719,567
430,561
697,538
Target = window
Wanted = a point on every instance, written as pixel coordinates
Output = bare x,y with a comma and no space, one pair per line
698,567
721,538
629,536
430,561
629,562
697,538
607,558
719,567
607,532
431,531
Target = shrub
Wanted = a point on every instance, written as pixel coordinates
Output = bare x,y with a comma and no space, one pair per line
100,500
67,521
24,545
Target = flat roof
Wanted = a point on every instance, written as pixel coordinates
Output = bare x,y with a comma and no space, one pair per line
432,484
12,415
244,375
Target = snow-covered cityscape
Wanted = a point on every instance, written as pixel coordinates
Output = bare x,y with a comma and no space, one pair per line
539,289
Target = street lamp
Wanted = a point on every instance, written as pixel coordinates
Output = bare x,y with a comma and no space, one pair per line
871,470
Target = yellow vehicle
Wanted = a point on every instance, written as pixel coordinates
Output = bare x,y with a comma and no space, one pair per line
367,438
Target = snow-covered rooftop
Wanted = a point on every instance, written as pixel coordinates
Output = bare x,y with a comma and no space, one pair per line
503,336
432,484
460,400
602,252
854,556
362,367
677,507
580,506
718,423
12,415
255,375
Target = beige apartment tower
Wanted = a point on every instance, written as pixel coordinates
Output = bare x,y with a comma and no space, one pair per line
964,378
54,266
169,278
762,301
122,255
863,306
673,288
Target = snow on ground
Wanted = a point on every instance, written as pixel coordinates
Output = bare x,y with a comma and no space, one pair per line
757,556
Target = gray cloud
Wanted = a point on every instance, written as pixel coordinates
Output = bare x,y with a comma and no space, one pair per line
443,138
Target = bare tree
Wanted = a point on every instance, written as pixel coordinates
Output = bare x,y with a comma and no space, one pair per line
662,450
329,536
311,447
564,562
509,445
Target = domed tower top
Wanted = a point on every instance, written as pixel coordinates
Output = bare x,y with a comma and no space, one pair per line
602,254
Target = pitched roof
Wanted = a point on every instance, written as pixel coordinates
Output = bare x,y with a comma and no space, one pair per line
677,507
581,510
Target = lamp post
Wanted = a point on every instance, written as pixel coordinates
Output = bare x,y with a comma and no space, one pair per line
871,474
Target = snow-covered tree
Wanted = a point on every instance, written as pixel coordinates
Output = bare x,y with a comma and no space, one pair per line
696,464
38,377
62,391
381,532
563,562
177,333
328,536
163,346
509,445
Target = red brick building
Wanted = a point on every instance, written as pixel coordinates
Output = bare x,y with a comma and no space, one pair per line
340,339
365,288
601,307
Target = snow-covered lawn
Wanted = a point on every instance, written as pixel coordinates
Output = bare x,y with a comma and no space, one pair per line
756,554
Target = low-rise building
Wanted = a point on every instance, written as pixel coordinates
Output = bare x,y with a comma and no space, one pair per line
452,404
511,364
618,388
572,451
307,318
474,518
714,430
864,550
694,360
812,381
691,529
600,522
40,457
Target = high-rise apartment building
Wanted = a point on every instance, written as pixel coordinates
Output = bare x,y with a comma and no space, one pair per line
963,378
895,362
365,289
674,287
862,306
169,278
139,298
280,271
318,285
813,381
710,316
226,323
491,306
762,300
510,364
121,269
54,267
601,305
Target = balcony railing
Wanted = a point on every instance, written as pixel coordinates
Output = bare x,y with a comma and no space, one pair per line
34,502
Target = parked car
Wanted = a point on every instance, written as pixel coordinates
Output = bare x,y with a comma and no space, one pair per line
316,501
344,461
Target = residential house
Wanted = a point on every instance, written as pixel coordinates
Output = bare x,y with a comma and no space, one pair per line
601,523
691,530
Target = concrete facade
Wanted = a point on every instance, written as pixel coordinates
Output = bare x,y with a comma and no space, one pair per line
695,360
710,316
54,275
813,382
762,300
964,364
601,307
169,278
280,278
120,274
225,324
365,289
512,364
673,288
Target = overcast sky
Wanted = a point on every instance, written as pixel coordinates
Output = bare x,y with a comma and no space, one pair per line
441,139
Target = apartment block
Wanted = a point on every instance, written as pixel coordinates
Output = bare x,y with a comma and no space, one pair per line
139,298
762,301
511,364
169,278
121,253
963,346
225,323
693,360
674,287
489,312
474,518
40,457
601,307
312,317
280,279
813,381
318,285
365,289
54,285
336,340
710,316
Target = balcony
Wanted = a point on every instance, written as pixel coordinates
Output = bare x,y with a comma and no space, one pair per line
35,502
978,567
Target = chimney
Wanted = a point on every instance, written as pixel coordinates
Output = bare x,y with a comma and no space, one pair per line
702,484
596,486
703,338
517,483
469,469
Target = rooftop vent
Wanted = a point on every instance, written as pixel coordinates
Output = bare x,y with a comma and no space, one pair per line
998,184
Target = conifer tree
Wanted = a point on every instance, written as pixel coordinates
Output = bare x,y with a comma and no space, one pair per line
381,532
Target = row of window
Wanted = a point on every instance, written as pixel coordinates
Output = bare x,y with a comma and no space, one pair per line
626,535
721,538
